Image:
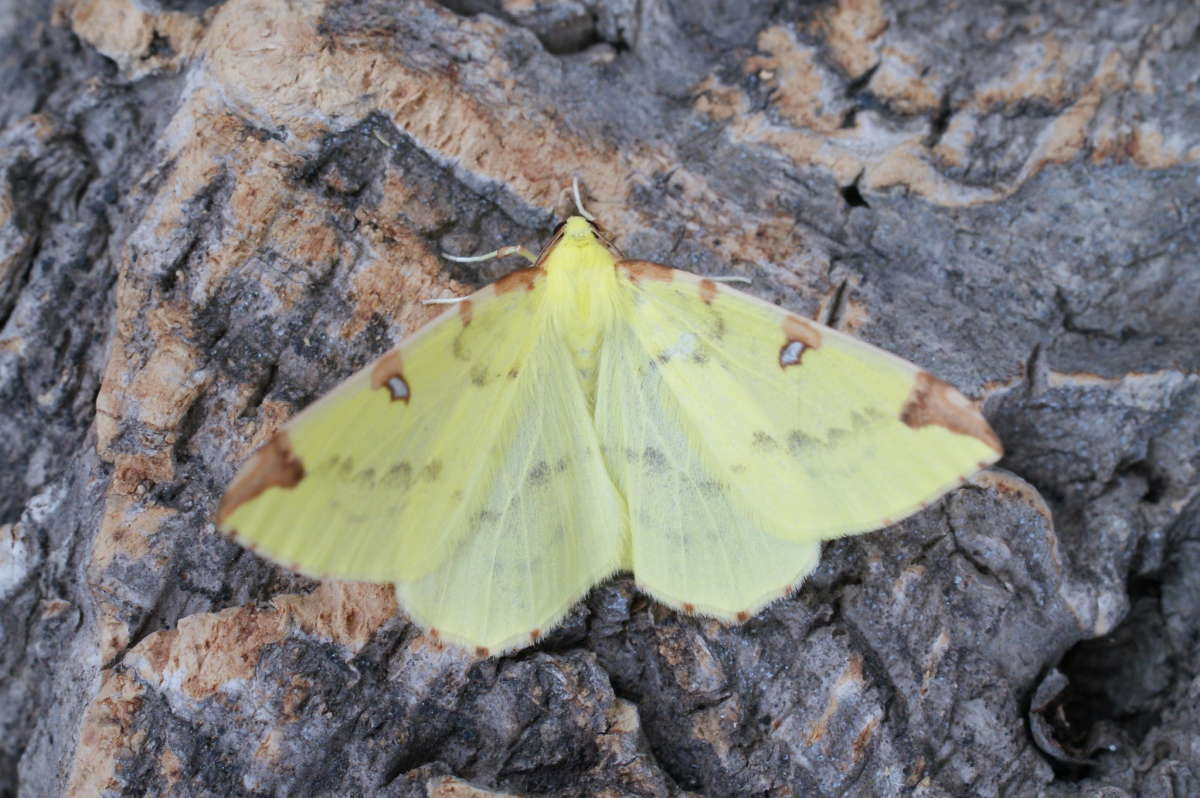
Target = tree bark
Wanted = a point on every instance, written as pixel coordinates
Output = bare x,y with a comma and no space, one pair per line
212,212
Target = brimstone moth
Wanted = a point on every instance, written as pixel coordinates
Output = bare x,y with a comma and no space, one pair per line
589,415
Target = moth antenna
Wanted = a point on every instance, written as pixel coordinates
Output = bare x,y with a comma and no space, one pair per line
445,300
503,252
729,278
579,201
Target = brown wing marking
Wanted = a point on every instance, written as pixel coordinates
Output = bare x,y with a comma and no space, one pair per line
646,270
386,373
521,278
800,335
933,401
274,465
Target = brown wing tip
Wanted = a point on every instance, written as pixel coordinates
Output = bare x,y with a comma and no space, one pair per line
482,652
708,291
274,465
742,616
933,401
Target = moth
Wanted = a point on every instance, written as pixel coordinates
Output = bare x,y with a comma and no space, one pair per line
589,415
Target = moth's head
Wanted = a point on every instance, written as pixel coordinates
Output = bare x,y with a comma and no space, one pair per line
576,228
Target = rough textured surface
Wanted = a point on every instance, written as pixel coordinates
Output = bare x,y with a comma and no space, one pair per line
212,212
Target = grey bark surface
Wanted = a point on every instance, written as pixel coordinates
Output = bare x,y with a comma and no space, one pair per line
195,243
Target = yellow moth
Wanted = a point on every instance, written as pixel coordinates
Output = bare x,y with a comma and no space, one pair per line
589,415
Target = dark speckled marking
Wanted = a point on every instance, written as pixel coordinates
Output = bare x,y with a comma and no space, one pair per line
654,460
485,517
798,443
431,471
764,442
398,476
539,475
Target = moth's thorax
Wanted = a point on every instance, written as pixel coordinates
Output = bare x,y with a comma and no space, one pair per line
581,291
581,282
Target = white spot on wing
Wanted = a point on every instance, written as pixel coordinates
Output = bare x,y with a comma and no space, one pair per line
790,355
398,387
684,346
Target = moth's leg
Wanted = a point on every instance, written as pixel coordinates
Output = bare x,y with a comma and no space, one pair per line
503,252
444,300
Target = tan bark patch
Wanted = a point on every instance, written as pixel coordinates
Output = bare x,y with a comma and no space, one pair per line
125,531
404,269
1013,487
850,681
450,787
128,35
718,101
206,651
106,734
804,90
852,29
903,79
864,737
